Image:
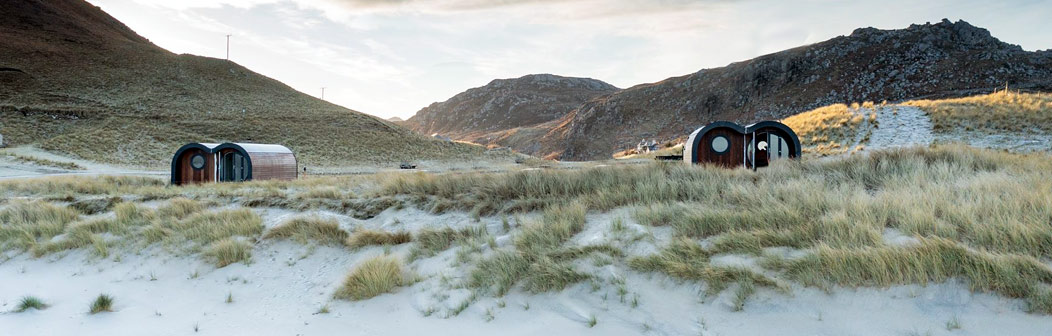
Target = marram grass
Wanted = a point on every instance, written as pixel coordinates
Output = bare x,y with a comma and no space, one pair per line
306,229
367,237
372,277
228,251
102,304
980,216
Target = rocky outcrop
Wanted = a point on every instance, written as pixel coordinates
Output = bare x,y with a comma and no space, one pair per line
929,60
484,113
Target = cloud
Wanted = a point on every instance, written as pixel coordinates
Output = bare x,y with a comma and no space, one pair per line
560,8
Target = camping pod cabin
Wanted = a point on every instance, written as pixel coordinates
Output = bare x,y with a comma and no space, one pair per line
232,162
728,144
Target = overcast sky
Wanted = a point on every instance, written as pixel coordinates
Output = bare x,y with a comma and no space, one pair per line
393,57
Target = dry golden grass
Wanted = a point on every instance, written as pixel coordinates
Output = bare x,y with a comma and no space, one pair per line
23,225
980,216
207,227
981,199
431,241
176,223
372,277
228,251
996,112
179,208
305,229
831,129
932,260
365,237
79,185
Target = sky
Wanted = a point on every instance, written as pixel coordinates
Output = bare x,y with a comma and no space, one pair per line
393,57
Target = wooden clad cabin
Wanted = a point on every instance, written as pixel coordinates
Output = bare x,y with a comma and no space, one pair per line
232,162
730,145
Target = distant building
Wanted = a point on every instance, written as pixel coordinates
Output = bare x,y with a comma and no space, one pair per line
441,137
645,146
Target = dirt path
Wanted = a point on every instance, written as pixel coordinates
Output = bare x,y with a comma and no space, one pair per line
900,126
12,169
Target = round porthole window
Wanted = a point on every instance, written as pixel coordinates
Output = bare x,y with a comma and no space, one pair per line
720,144
197,162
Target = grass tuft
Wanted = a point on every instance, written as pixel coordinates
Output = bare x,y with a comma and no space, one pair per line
228,251
365,237
179,208
102,304
372,277
304,229
546,275
559,224
431,241
30,302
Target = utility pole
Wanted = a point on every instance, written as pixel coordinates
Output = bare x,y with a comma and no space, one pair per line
228,47
323,93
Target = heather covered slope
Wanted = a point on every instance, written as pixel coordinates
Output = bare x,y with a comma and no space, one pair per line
75,80
944,59
493,113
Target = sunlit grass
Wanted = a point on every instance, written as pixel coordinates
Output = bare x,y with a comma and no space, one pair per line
995,112
830,129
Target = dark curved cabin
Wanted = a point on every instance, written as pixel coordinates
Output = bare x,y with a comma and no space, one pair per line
728,144
232,162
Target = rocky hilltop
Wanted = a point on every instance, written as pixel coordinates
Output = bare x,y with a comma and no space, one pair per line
75,80
944,59
484,114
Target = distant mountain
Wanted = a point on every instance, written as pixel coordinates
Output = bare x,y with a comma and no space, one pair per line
944,59
489,113
75,80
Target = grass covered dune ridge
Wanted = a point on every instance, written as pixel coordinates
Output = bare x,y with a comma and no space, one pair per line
904,216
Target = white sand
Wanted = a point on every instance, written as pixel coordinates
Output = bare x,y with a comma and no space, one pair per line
282,290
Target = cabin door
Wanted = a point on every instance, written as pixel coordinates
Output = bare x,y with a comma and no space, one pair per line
759,148
777,148
232,167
